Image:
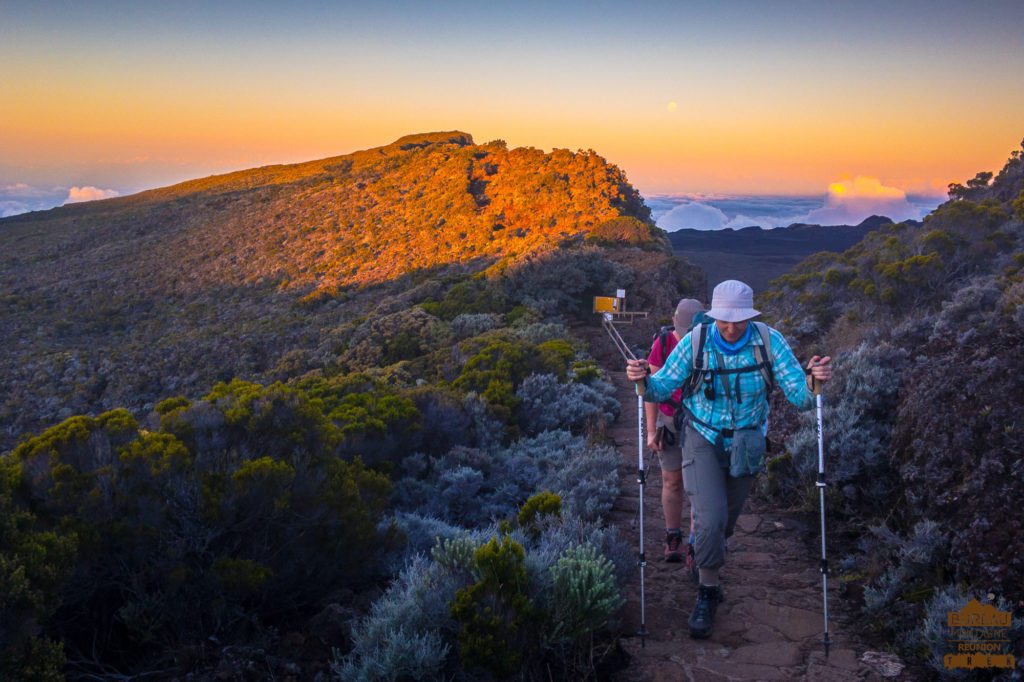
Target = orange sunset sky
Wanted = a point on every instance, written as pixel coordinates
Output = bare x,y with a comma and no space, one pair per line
738,98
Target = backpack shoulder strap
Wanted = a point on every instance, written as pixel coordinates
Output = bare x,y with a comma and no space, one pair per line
698,352
766,337
698,359
765,353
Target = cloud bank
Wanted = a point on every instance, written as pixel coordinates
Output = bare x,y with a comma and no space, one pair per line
847,202
89,193
693,215
20,197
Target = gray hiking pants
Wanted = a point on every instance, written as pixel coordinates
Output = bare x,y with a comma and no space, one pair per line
715,497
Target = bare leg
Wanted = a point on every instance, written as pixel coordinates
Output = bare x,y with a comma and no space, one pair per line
672,498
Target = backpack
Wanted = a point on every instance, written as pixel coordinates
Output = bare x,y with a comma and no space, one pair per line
661,337
660,340
699,372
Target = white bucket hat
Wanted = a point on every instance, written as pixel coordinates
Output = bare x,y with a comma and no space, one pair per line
732,301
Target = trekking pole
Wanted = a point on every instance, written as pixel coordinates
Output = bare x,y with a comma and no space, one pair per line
641,476
816,388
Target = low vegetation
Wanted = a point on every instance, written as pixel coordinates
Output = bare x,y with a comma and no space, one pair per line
923,417
320,453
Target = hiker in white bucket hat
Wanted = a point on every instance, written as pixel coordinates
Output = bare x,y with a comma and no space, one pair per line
727,371
733,301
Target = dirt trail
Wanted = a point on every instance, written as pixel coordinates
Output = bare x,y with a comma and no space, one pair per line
770,625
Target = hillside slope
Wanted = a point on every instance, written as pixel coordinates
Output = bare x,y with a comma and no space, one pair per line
257,273
926,323
422,202
327,367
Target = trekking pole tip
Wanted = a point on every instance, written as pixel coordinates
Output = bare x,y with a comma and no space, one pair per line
827,642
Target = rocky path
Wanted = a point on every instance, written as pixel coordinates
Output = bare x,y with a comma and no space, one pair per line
770,625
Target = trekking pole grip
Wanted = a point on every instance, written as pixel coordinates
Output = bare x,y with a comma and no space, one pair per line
641,384
815,384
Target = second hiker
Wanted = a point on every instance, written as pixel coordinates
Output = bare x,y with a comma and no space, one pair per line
665,438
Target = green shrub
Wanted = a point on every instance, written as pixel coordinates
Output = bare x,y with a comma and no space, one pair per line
165,406
622,230
141,533
330,391
276,419
585,372
965,215
34,566
499,365
471,296
584,595
37,660
455,555
62,466
536,507
156,453
241,576
494,613
522,314
375,414
493,372
556,356
938,240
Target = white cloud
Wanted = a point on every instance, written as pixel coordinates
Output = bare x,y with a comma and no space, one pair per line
693,215
766,222
21,190
849,202
20,197
88,193
9,208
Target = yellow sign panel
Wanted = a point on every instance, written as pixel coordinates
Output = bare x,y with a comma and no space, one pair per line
607,304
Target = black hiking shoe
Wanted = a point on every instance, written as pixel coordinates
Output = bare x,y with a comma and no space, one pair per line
673,543
691,564
708,599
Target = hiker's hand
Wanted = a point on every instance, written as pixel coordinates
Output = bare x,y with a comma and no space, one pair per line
637,369
653,443
821,368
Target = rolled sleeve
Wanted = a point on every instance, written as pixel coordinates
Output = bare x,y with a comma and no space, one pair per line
672,375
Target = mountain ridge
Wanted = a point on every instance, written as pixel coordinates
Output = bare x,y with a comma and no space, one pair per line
757,255
429,199
121,301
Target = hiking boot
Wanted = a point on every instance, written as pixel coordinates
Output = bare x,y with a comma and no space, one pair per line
708,599
673,547
691,564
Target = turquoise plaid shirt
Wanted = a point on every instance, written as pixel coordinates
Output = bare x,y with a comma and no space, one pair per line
750,410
